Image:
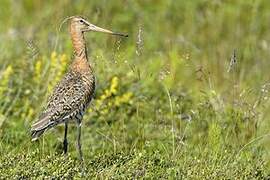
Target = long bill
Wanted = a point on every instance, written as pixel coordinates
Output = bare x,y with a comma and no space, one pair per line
99,29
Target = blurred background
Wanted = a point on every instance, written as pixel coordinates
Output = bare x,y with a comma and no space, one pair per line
186,95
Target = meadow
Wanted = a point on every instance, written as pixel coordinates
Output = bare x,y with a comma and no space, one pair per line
186,96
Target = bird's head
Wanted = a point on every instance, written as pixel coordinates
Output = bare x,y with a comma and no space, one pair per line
80,24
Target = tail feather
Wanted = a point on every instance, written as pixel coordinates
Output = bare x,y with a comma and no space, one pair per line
35,134
39,127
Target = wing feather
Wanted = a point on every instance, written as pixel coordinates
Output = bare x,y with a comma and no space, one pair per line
67,98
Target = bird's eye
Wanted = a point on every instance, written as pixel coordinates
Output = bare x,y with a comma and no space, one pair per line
81,21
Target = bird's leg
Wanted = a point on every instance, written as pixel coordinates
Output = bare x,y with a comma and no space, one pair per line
65,138
79,146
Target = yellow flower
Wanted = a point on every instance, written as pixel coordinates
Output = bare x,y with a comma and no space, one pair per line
114,84
107,93
124,99
117,101
104,111
110,104
63,63
53,55
5,79
63,59
106,101
30,113
58,66
8,71
38,71
99,102
54,62
103,97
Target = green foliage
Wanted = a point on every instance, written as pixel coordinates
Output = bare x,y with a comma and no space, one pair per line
214,137
172,101
129,165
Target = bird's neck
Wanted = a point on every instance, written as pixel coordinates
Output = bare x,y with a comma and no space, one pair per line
80,62
79,44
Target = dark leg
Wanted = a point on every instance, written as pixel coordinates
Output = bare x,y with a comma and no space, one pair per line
79,146
65,138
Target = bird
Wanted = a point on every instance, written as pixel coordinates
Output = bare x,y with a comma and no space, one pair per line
74,92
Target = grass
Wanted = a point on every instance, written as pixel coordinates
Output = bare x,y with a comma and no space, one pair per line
185,96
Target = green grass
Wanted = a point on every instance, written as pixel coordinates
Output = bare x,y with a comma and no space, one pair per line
166,105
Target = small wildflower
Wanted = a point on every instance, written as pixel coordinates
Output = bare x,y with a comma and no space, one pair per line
30,113
38,71
110,104
187,56
5,79
117,101
114,84
58,67
127,96
27,92
63,63
53,55
8,71
109,98
103,97
124,99
107,93
104,111
63,58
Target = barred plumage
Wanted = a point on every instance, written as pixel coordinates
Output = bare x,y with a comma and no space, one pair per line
68,100
74,92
